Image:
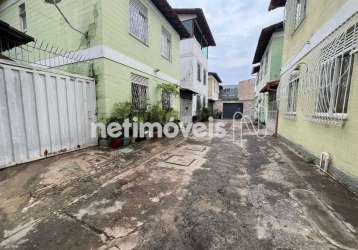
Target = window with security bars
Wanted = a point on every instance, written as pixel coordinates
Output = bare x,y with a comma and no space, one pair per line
335,75
138,14
139,92
166,44
292,95
325,77
166,101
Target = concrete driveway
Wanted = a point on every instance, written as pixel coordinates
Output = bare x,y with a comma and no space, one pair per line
206,193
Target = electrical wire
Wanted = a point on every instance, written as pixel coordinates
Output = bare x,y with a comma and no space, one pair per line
68,22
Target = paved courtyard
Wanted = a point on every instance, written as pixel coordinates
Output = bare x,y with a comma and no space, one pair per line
209,193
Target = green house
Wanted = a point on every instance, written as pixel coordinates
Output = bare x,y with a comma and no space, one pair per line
131,47
268,61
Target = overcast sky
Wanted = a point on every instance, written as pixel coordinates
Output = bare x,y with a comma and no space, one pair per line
236,26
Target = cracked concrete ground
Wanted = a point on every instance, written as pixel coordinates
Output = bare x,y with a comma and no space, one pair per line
210,193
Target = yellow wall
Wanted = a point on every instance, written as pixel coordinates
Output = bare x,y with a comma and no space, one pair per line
340,142
319,12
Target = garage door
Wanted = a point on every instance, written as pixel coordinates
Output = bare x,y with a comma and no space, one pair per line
231,108
43,113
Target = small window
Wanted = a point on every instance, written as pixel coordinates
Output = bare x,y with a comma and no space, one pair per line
292,95
204,77
300,12
139,92
23,19
166,101
199,72
166,44
138,14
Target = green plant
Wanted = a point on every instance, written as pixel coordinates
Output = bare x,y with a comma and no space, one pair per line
155,114
169,88
204,115
121,111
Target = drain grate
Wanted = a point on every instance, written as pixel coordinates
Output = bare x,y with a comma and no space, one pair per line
180,160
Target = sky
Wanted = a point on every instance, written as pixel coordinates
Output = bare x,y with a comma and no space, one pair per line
236,26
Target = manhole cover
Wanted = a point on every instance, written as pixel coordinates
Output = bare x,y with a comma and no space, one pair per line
197,148
181,160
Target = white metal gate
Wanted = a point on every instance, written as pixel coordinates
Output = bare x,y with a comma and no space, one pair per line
43,113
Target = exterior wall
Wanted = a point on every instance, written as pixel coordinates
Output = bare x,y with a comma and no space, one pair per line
116,36
46,24
114,52
213,88
318,13
115,87
191,55
340,142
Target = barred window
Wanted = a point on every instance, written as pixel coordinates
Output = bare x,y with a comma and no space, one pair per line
138,14
139,92
166,101
166,44
335,82
292,95
300,12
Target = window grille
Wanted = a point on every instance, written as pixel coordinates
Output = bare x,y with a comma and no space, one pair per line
166,101
138,20
166,44
23,18
326,77
139,92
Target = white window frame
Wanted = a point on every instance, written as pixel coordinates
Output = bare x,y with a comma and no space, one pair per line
23,17
329,101
300,12
138,21
292,95
166,48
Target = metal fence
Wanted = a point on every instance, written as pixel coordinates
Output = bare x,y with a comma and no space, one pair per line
39,53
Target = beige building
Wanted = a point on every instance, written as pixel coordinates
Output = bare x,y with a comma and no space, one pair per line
318,92
215,104
246,93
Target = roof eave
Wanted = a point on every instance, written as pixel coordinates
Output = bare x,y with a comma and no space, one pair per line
203,22
169,13
264,39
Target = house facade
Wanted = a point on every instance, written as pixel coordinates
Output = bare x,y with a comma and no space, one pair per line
194,62
318,91
131,47
215,104
268,60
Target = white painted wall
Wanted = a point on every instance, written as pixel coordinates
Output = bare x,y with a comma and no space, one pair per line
191,55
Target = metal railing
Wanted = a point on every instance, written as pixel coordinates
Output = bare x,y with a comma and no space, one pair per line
39,53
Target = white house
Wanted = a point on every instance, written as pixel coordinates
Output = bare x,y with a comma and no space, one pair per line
194,63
